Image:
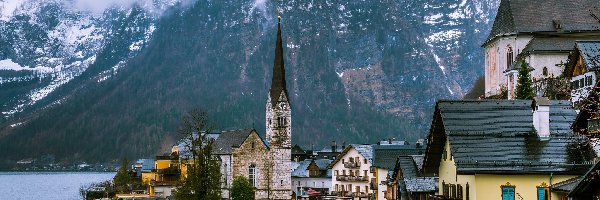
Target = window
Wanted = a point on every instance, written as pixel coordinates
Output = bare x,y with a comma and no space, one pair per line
366,189
365,172
467,191
337,173
508,192
349,187
351,160
252,175
343,162
344,172
365,161
509,57
542,191
545,71
357,189
252,144
337,187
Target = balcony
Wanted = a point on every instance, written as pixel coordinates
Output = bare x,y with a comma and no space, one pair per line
352,178
373,185
352,164
359,195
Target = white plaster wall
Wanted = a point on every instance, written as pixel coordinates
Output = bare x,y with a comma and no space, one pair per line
339,166
539,61
495,55
310,183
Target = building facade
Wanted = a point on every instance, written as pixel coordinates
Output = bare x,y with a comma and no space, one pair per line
540,33
500,148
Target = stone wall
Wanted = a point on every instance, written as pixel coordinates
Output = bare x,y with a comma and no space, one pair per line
253,152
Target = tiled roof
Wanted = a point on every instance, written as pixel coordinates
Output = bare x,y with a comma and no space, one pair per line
567,185
589,182
421,184
365,150
302,169
408,166
554,44
385,155
419,161
590,51
529,16
229,139
497,136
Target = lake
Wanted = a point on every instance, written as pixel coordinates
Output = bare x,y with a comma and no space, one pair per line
47,185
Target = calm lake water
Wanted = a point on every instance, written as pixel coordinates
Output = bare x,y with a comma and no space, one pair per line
47,185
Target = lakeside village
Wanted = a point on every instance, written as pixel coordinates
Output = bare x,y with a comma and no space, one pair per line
535,133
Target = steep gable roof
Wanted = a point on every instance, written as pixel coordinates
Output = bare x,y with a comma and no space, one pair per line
531,16
590,51
497,136
364,150
233,138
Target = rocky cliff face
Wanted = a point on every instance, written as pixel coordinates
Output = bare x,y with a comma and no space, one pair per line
120,77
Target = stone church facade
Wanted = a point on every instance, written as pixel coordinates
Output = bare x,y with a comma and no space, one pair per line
267,164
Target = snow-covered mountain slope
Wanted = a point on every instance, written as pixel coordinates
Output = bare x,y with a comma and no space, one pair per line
123,76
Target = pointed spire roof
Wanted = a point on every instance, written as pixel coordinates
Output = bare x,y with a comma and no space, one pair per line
278,83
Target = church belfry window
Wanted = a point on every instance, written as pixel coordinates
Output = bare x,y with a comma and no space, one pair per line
545,71
509,56
252,175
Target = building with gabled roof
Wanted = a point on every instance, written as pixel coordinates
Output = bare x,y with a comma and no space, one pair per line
509,148
583,70
312,177
539,32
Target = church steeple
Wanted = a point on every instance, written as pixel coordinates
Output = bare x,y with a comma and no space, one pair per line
278,84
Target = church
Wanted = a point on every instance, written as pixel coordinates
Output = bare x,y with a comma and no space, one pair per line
266,163
540,33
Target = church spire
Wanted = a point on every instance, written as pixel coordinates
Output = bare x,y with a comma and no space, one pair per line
278,84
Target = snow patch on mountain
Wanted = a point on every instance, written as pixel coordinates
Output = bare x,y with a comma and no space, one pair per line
8,7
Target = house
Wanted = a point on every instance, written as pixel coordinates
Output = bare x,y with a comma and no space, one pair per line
361,171
162,178
582,70
589,185
353,175
312,177
406,182
541,33
512,149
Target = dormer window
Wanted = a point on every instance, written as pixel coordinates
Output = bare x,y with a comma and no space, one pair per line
509,56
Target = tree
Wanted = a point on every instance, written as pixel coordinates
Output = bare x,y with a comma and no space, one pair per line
241,189
123,180
524,85
203,177
478,89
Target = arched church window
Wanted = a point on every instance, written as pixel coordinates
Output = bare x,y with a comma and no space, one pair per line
509,56
545,71
252,175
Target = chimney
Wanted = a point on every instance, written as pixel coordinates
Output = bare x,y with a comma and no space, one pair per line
333,147
541,117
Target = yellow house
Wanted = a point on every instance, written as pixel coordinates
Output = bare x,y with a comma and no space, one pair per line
503,149
167,172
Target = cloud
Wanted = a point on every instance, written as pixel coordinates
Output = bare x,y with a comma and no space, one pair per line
152,6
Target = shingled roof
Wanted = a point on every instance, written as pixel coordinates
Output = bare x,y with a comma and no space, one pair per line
365,150
590,51
535,16
497,136
384,156
229,139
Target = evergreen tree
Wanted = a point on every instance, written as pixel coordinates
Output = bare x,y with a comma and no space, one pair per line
203,177
123,180
241,189
524,86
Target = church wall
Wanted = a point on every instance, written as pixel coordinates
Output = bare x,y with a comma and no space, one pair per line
496,61
246,155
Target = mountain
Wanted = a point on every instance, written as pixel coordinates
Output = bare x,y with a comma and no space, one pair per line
105,83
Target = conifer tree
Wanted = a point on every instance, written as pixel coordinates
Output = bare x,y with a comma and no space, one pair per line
123,180
524,86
